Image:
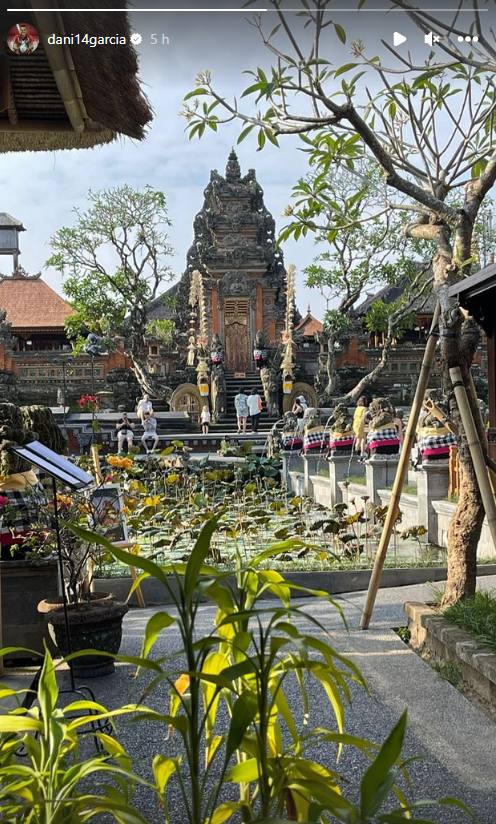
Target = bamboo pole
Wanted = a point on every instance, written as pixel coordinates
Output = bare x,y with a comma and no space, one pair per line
95,457
476,451
401,471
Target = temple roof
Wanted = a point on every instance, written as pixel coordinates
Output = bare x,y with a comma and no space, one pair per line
31,303
308,326
67,96
425,304
9,222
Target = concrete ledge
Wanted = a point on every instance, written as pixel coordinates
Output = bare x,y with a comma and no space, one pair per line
332,582
446,642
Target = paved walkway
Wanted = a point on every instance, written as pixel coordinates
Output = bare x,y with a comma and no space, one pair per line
456,740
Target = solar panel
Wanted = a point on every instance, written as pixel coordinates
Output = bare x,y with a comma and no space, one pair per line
54,464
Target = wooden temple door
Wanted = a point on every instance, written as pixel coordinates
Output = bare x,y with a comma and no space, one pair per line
237,333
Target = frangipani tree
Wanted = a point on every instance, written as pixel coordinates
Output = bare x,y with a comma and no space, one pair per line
429,130
114,259
364,249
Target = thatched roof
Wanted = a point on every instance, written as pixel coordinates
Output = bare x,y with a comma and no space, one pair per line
69,96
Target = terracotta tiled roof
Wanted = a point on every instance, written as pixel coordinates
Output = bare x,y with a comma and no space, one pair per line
309,325
30,303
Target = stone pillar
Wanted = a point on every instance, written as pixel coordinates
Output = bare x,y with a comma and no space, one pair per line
432,485
286,465
340,467
259,318
215,311
311,463
380,472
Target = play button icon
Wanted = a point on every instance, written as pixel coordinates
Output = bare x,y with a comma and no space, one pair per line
398,38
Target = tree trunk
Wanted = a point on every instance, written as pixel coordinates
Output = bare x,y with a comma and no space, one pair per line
463,537
150,384
333,382
459,340
368,380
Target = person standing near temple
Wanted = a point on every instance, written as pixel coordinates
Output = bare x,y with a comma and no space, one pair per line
242,411
254,409
359,426
144,407
205,418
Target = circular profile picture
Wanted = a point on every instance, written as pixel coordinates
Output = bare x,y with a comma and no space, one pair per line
23,38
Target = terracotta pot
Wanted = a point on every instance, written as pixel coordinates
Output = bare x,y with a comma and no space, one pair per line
94,625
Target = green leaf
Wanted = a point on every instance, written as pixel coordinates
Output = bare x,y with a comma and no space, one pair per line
224,811
158,622
195,93
340,32
243,713
377,781
197,557
163,769
345,68
19,723
48,691
244,772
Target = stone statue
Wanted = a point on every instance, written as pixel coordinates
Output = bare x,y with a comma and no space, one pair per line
216,349
434,433
8,386
94,345
260,353
382,436
218,391
5,328
291,439
341,436
316,437
269,377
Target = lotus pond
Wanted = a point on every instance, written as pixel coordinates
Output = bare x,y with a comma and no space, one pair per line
168,499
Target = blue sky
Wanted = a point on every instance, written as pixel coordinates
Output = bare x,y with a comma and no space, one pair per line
41,188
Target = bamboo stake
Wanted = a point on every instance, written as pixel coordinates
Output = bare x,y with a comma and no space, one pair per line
401,471
476,452
95,457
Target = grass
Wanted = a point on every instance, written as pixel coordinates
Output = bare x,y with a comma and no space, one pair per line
449,671
477,615
356,479
404,633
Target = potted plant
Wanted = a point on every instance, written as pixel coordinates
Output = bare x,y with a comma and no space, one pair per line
95,620
25,572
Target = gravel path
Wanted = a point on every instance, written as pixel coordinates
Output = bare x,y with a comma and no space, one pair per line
455,739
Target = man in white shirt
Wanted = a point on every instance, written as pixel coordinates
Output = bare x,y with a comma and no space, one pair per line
150,432
254,408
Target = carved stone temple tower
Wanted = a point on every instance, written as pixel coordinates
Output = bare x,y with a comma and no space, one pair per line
243,272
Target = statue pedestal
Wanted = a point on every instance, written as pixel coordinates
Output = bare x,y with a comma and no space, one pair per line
432,485
380,471
291,462
340,468
311,465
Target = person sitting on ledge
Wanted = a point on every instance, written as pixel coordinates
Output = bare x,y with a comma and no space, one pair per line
150,432
124,429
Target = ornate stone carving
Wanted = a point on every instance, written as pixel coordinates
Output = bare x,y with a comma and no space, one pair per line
218,391
237,282
5,330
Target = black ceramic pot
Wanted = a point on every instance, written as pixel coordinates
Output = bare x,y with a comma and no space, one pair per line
95,625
